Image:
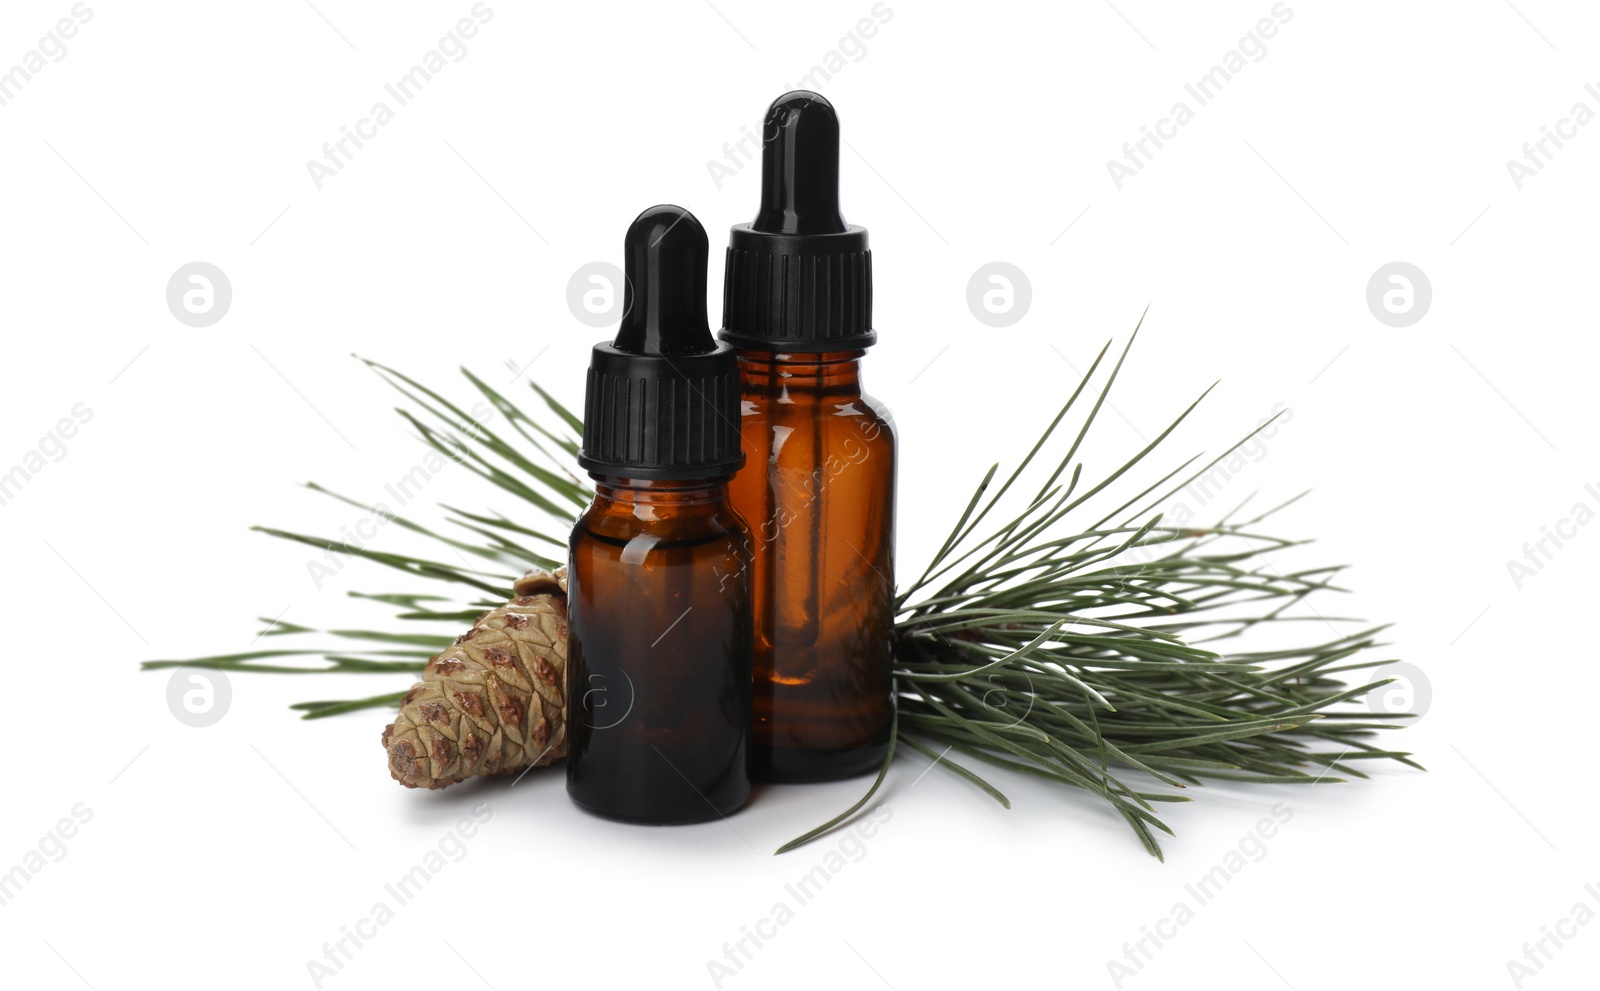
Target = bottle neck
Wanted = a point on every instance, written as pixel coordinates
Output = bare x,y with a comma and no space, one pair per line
836,372
657,499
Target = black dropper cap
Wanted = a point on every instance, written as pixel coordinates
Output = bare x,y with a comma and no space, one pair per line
663,399
799,279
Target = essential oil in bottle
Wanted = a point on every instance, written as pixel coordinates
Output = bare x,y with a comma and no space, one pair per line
817,488
659,603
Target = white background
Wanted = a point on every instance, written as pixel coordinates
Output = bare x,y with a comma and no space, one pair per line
1367,133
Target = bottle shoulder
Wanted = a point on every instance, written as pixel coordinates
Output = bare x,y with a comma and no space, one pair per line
879,413
613,524
868,422
781,405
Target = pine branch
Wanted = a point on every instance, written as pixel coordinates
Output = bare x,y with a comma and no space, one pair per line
1076,652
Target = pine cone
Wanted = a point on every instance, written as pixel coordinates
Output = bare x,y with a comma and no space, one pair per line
493,702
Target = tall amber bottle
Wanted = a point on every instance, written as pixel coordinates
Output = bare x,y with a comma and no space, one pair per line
817,488
659,603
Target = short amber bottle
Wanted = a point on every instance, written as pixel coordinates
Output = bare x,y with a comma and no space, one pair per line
818,486
659,604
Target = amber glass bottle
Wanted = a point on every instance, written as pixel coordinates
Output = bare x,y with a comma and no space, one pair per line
823,457
818,485
659,604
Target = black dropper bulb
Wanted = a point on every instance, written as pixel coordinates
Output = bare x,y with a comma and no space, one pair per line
663,398
800,167
799,279
664,302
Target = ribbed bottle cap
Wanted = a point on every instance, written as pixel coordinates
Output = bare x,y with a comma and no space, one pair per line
663,399
798,277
